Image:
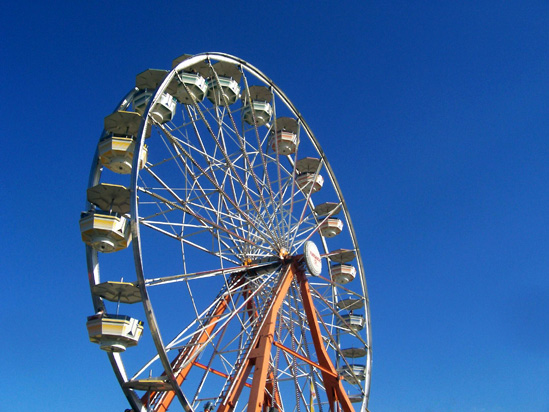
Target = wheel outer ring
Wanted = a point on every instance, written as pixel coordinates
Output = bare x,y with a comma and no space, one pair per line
155,332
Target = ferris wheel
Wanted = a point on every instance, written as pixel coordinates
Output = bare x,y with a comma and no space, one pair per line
224,268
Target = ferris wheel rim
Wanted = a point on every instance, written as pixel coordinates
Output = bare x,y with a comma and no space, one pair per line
135,172
135,226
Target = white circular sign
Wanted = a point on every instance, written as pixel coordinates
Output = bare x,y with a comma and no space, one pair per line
313,261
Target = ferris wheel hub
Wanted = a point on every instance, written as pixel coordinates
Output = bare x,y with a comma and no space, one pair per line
283,253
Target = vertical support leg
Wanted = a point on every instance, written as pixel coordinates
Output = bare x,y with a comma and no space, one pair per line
337,397
164,399
259,356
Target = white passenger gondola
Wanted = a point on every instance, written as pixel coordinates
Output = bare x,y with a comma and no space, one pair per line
283,138
190,85
331,227
256,106
353,374
105,232
114,333
116,149
309,182
116,154
147,81
164,109
260,111
351,322
308,179
223,87
192,88
107,229
343,274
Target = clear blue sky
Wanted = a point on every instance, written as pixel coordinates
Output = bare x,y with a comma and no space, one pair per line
435,119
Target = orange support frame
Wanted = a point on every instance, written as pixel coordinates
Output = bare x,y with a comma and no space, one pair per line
332,384
188,352
259,357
